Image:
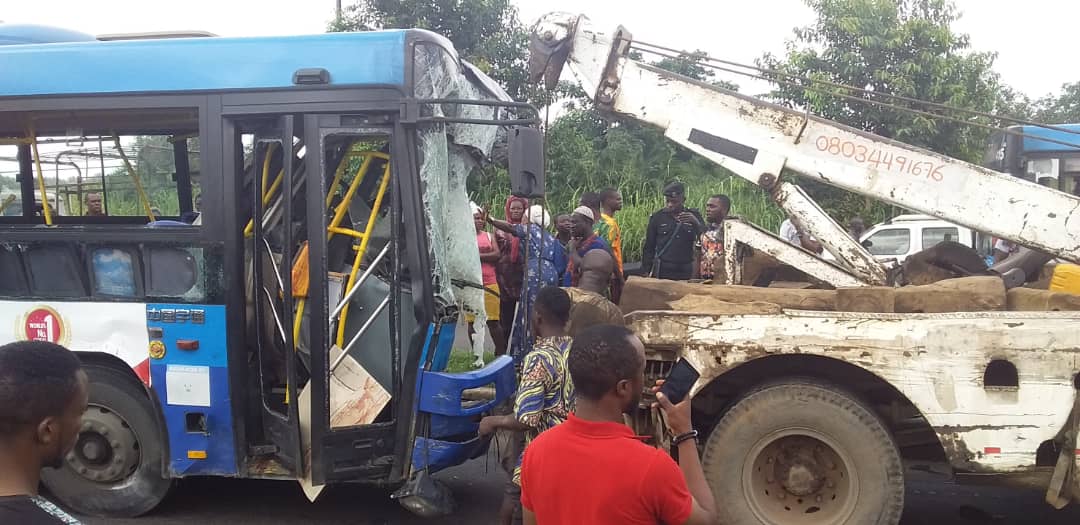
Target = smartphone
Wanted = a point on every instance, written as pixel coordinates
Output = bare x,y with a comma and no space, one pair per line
679,381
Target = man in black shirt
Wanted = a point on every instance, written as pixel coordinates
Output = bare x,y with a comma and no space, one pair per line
43,394
671,236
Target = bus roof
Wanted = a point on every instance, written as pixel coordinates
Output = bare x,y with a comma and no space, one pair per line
1034,144
11,34
196,64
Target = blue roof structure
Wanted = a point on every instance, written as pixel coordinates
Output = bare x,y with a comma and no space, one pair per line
1032,144
11,34
68,66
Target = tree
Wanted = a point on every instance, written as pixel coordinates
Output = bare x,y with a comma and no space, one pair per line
1061,109
689,64
486,33
585,149
898,47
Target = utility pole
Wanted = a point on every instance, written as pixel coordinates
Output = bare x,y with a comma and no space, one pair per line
337,10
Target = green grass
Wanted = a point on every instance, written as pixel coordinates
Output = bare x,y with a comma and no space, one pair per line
747,201
461,361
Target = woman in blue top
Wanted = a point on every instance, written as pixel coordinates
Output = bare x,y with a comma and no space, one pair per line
545,264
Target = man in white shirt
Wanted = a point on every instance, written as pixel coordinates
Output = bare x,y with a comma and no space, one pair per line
1003,249
791,233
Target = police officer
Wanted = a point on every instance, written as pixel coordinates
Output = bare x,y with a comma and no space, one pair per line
670,237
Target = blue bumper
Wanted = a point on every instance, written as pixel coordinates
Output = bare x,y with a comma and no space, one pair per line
452,439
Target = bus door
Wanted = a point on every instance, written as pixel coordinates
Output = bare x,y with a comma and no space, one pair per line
354,310
270,182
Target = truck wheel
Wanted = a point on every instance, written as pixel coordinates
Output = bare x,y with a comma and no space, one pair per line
800,451
114,470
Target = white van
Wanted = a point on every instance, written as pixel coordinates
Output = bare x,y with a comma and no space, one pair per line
906,235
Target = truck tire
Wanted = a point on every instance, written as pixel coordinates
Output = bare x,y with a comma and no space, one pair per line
801,451
114,470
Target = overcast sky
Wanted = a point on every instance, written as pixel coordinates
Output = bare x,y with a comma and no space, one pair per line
1033,38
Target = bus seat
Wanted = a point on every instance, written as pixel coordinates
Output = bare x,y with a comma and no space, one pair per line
166,224
372,351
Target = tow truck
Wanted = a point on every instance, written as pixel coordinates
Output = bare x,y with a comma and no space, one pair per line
813,416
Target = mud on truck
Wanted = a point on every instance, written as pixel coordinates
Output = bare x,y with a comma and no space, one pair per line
814,400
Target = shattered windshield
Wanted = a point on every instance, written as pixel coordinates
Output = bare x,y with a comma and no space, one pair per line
449,152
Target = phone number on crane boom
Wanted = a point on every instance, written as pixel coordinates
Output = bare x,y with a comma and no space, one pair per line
878,158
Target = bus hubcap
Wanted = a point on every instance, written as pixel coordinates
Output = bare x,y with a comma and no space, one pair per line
106,450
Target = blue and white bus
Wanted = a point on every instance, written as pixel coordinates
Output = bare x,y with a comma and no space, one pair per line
246,212
1046,155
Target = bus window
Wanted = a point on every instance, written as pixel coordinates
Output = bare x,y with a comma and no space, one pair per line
113,272
152,159
13,278
10,199
142,165
55,271
171,272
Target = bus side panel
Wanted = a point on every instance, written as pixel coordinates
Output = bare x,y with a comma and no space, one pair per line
117,329
189,372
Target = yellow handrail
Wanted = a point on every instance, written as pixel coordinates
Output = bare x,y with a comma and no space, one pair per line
135,178
301,302
267,193
267,158
360,251
338,173
343,206
298,319
40,178
335,223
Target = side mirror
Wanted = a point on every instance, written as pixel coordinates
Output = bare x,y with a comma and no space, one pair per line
526,162
867,244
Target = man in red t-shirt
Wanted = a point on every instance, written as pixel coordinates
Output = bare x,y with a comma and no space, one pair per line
592,468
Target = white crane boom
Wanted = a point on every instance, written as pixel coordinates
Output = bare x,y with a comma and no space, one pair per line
756,140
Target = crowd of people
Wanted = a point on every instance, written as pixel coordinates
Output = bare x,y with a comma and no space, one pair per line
582,252
553,289
553,292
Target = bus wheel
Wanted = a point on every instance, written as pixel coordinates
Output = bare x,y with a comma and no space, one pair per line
800,451
114,470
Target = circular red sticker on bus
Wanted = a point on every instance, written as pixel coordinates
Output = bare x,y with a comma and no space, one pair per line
44,324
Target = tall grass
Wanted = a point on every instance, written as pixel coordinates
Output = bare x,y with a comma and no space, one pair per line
639,202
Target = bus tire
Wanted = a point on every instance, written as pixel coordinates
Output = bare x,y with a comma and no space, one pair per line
114,469
803,451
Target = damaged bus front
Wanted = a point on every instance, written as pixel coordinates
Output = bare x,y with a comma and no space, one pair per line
271,285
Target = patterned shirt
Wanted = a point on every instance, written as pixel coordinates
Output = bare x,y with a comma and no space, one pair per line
33,510
607,228
545,395
712,252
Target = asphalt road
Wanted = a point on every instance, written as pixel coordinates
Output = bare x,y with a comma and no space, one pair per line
478,486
